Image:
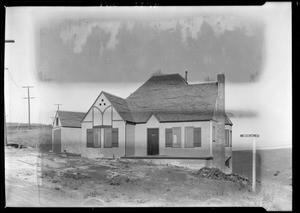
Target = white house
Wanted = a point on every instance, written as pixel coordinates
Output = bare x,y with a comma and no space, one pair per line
66,132
165,118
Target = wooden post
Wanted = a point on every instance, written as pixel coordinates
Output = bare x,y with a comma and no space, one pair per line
254,166
28,103
253,159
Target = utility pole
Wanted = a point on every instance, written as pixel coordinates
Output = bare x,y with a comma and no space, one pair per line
57,106
253,136
28,103
6,41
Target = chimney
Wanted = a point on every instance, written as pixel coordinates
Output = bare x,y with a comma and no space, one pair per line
186,72
221,93
220,117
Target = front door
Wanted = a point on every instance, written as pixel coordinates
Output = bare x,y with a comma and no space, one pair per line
152,142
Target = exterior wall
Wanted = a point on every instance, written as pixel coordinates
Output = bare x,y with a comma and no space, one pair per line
228,152
130,140
141,139
95,116
54,123
71,140
102,152
56,139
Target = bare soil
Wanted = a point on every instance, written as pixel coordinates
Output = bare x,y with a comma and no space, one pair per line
35,178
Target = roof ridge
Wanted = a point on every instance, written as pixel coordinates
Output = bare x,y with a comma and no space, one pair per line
213,82
69,111
156,76
113,95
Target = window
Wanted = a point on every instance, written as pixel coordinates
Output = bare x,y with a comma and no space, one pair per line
97,137
214,134
115,137
56,121
227,138
110,137
192,137
107,137
173,137
168,137
197,137
176,137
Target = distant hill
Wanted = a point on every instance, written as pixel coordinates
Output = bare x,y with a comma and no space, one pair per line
272,164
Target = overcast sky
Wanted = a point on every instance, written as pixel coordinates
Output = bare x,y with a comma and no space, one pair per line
71,54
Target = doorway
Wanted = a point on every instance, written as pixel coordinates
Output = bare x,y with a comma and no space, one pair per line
153,141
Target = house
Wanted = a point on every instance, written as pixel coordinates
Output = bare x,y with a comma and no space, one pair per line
66,132
165,118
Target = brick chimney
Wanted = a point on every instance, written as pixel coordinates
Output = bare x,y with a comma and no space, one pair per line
221,120
218,147
186,73
221,91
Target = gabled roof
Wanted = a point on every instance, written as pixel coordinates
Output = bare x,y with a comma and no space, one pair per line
120,105
70,119
170,98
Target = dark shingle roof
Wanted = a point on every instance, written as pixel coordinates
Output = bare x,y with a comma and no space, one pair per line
120,105
70,119
170,98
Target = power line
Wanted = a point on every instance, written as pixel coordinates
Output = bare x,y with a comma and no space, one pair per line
18,87
28,103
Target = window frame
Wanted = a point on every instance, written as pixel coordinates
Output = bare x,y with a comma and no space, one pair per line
197,129
227,138
214,134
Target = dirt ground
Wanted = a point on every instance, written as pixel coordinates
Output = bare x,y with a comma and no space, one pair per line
33,178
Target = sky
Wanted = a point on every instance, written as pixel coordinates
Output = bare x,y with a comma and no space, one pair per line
72,54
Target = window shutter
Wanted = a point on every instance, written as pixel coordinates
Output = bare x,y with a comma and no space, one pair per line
189,137
115,137
197,137
176,137
226,138
168,138
107,137
97,138
89,138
